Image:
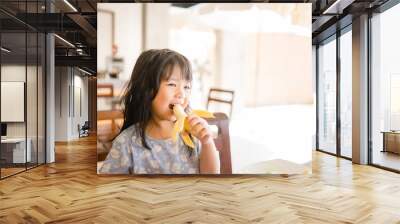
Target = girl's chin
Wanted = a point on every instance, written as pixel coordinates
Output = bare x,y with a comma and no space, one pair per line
172,119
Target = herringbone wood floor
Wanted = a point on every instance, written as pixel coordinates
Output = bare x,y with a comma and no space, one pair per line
69,191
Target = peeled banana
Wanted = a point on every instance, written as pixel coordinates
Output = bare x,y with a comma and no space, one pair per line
182,125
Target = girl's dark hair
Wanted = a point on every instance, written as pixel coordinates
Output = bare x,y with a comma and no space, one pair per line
150,69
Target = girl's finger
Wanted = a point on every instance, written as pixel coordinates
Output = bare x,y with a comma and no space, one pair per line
203,134
191,118
194,121
197,129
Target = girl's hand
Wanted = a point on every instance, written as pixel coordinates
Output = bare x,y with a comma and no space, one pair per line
209,156
199,128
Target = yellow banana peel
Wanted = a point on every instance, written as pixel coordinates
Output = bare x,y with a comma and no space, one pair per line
182,125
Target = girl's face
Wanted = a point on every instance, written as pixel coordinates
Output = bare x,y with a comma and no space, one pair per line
173,91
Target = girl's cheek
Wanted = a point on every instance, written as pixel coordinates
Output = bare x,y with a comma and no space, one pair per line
186,102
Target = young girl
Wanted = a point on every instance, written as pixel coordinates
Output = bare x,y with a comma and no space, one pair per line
160,80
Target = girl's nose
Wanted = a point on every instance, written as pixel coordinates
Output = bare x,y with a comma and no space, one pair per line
180,93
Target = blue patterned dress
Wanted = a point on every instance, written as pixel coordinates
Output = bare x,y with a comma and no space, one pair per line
128,156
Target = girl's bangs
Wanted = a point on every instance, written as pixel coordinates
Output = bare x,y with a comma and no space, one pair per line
184,66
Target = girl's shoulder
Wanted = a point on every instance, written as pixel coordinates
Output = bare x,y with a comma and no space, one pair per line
126,135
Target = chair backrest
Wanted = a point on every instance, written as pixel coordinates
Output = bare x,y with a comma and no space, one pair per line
108,127
222,141
215,95
86,125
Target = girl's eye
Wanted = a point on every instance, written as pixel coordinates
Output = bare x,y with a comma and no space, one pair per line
172,84
187,87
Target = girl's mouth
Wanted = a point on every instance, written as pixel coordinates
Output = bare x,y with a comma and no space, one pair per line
171,106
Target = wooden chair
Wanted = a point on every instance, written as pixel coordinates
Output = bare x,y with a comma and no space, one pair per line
213,97
83,131
105,90
222,142
106,133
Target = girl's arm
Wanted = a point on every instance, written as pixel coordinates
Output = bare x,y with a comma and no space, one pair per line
209,159
209,156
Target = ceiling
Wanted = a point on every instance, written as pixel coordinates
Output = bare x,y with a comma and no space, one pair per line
76,22
325,13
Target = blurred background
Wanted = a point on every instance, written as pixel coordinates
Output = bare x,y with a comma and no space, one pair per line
252,62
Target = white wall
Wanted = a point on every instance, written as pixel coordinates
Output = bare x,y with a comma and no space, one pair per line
157,15
79,117
128,35
33,126
259,66
234,69
61,103
66,101
85,99
390,48
14,73
274,64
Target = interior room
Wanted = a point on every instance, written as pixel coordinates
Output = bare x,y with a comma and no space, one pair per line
244,65
22,100
385,91
335,116
59,112
26,94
